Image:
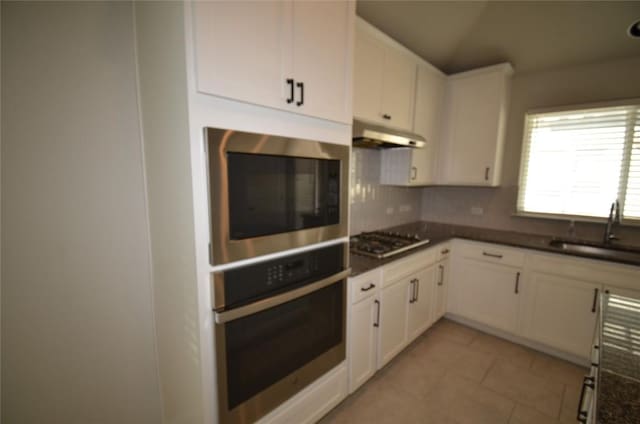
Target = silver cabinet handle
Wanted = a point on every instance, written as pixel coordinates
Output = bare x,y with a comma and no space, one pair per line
377,323
492,255
261,305
413,291
414,173
486,173
441,279
444,251
417,289
369,287
517,282
595,300
590,383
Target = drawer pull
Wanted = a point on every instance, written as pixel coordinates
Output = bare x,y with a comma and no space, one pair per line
441,279
444,251
492,255
517,282
290,83
377,323
590,383
300,85
413,291
369,287
595,300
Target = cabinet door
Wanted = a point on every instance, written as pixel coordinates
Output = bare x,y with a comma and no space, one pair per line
441,288
398,89
392,336
367,77
422,165
487,293
241,50
474,130
322,34
561,312
420,308
406,166
362,342
430,86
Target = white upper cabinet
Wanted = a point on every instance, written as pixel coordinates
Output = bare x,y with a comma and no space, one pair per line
474,124
430,90
384,79
406,166
398,89
294,56
415,167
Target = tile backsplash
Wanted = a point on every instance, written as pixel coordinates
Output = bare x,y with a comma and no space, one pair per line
374,206
494,208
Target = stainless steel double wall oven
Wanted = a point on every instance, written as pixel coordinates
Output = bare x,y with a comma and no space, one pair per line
279,323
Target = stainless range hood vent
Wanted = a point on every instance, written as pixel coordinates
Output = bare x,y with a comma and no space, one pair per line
376,136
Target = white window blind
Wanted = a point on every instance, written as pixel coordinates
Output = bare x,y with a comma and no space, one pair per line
577,162
632,196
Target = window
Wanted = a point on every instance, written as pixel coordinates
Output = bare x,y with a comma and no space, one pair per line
577,162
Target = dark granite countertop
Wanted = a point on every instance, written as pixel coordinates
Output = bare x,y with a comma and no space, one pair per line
618,380
439,233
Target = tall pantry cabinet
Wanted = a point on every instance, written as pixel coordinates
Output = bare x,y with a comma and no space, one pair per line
224,65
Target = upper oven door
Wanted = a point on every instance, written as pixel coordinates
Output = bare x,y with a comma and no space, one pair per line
269,193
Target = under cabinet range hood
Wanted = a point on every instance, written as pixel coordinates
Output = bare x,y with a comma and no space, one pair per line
376,136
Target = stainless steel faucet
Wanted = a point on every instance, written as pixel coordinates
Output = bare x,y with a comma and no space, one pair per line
614,218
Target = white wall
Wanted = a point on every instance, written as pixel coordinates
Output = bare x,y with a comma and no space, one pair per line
566,86
77,321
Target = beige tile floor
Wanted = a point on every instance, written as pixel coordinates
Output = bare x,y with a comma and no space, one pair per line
455,374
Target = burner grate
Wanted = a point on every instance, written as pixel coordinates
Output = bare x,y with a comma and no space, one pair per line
382,244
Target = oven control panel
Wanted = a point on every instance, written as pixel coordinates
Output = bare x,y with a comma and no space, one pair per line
263,279
291,271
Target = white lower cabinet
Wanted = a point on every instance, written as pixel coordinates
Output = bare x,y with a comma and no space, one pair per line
488,293
486,284
441,287
561,312
394,301
548,299
388,308
420,302
363,323
362,346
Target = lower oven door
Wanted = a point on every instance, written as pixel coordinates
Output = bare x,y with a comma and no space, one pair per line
265,357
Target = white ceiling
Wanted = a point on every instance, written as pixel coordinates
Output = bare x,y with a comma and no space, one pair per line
456,36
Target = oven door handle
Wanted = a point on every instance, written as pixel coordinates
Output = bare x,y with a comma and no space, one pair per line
261,305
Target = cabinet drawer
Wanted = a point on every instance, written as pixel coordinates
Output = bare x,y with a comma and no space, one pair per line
409,265
616,275
491,253
365,285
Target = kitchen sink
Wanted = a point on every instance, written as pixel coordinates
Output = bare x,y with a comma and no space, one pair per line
610,251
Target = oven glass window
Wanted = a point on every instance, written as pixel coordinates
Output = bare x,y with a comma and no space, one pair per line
265,347
277,194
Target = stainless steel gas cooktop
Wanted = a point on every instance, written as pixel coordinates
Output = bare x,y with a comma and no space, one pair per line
382,244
